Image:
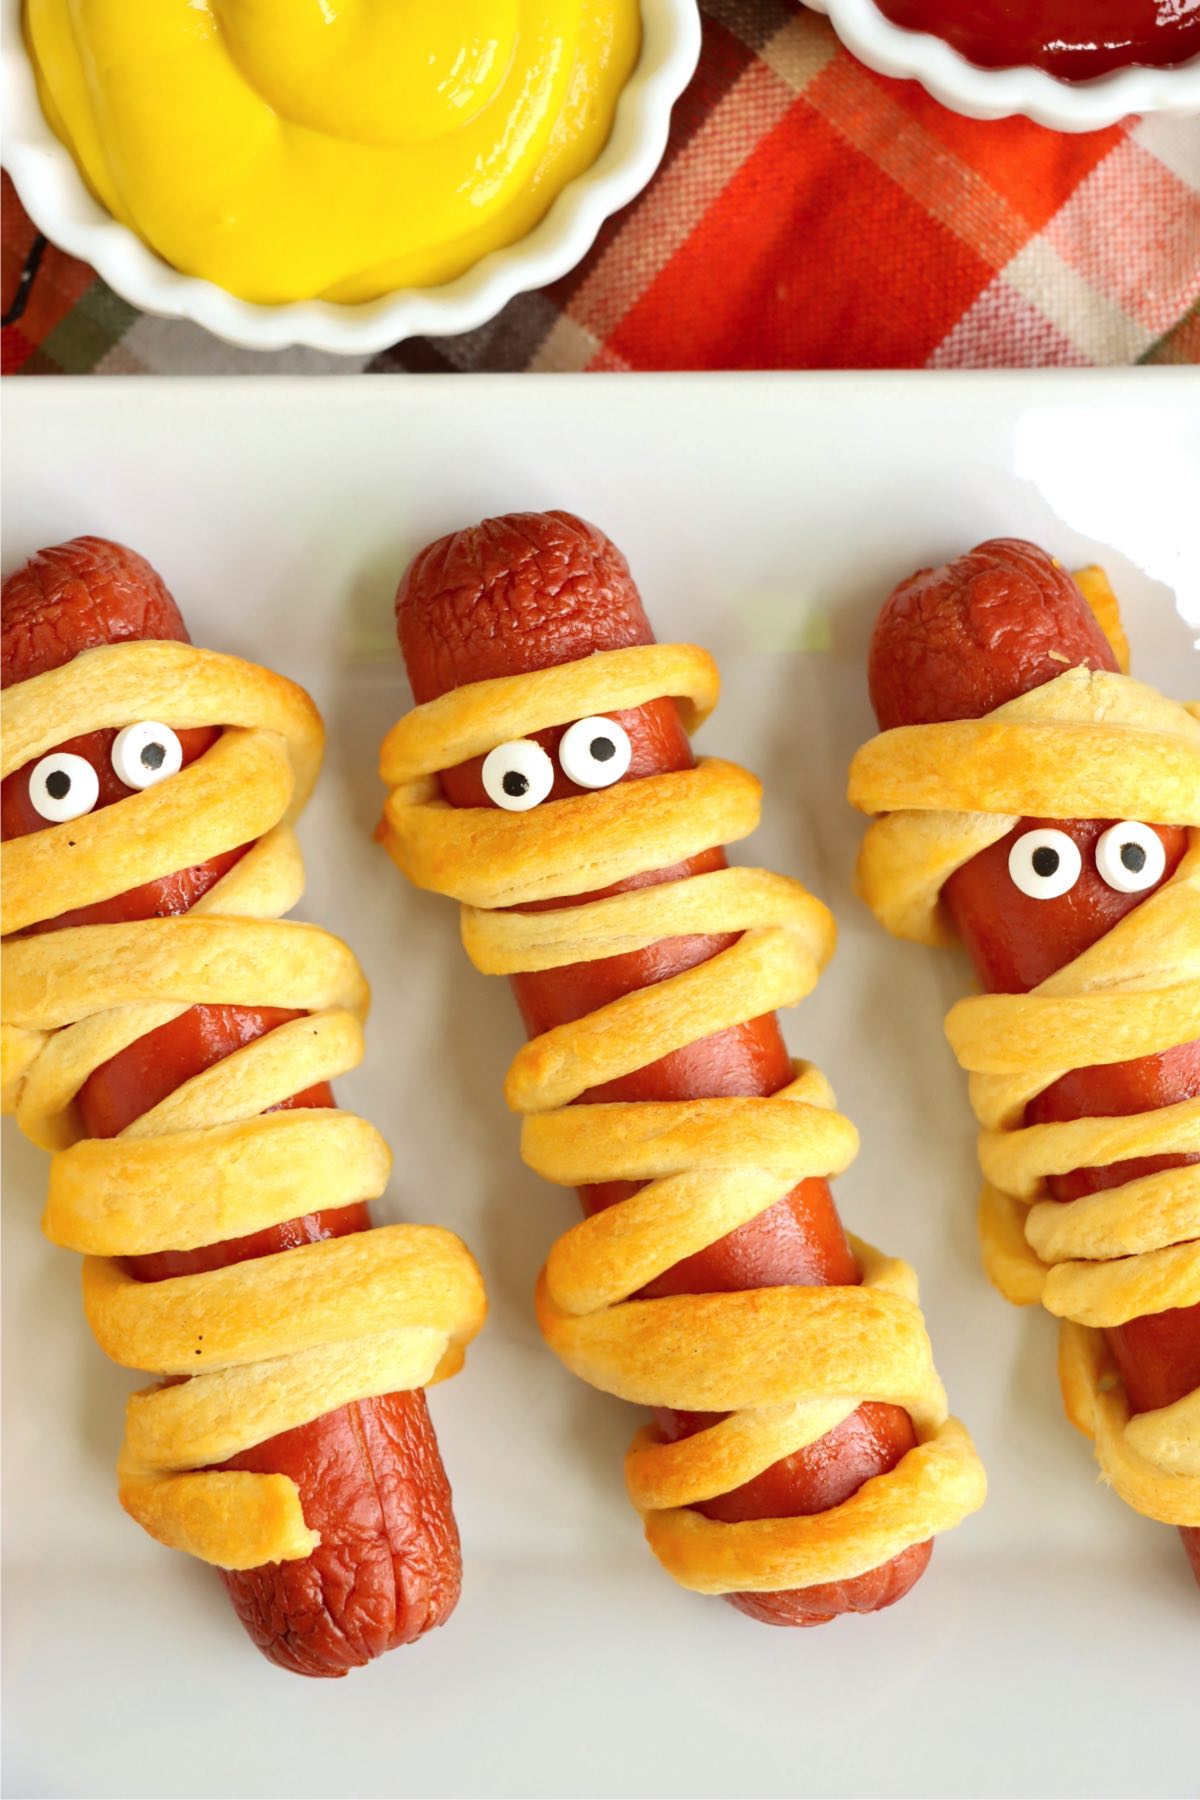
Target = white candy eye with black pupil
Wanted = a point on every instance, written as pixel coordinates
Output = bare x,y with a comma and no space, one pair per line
145,753
595,753
63,787
518,775
1130,857
1045,863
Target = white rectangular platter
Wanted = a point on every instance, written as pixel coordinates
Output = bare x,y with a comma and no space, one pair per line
1052,1646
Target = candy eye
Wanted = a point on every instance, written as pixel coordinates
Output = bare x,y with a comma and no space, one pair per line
1045,863
146,753
595,752
1130,857
518,776
63,787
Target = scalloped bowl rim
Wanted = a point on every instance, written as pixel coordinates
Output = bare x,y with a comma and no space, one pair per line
58,202
998,93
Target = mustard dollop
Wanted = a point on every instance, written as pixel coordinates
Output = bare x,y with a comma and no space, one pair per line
287,149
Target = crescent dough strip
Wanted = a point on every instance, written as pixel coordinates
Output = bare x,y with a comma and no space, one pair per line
67,975
1097,590
157,679
485,857
322,1293
468,721
1149,1460
228,1517
116,1196
1087,745
242,786
1004,1032
1143,1214
761,971
276,1341
1035,766
725,1455
1017,1162
723,900
938,823
938,1482
226,1413
259,1076
786,1364
268,880
710,1166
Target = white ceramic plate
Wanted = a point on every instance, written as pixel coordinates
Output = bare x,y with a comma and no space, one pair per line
1050,1649
60,205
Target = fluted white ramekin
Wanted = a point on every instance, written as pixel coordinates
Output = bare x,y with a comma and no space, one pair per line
60,205
997,93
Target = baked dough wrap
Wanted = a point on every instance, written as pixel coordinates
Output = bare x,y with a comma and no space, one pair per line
785,1364
1090,744
271,1343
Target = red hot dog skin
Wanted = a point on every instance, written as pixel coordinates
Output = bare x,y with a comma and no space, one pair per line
370,1475
525,592
954,643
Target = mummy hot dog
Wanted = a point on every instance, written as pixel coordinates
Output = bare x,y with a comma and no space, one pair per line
171,1041
802,1457
1046,807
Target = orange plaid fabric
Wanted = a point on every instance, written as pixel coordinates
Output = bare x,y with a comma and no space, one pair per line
808,214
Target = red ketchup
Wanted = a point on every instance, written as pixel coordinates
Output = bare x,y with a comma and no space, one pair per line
1073,40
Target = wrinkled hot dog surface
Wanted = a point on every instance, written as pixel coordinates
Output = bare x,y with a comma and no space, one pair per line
954,643
370,1476
535,589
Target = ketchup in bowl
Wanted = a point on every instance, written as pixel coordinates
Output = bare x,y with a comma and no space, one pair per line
1071,39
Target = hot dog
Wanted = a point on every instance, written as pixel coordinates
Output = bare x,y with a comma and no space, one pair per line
529,592
956,643
387,1568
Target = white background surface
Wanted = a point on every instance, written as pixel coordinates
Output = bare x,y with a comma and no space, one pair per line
1051,1647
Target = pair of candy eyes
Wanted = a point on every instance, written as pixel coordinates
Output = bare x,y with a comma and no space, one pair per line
64,786
1046,863
593,753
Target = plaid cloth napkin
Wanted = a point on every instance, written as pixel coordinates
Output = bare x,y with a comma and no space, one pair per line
809,214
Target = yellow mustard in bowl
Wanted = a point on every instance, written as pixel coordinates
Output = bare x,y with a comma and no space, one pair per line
289,149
